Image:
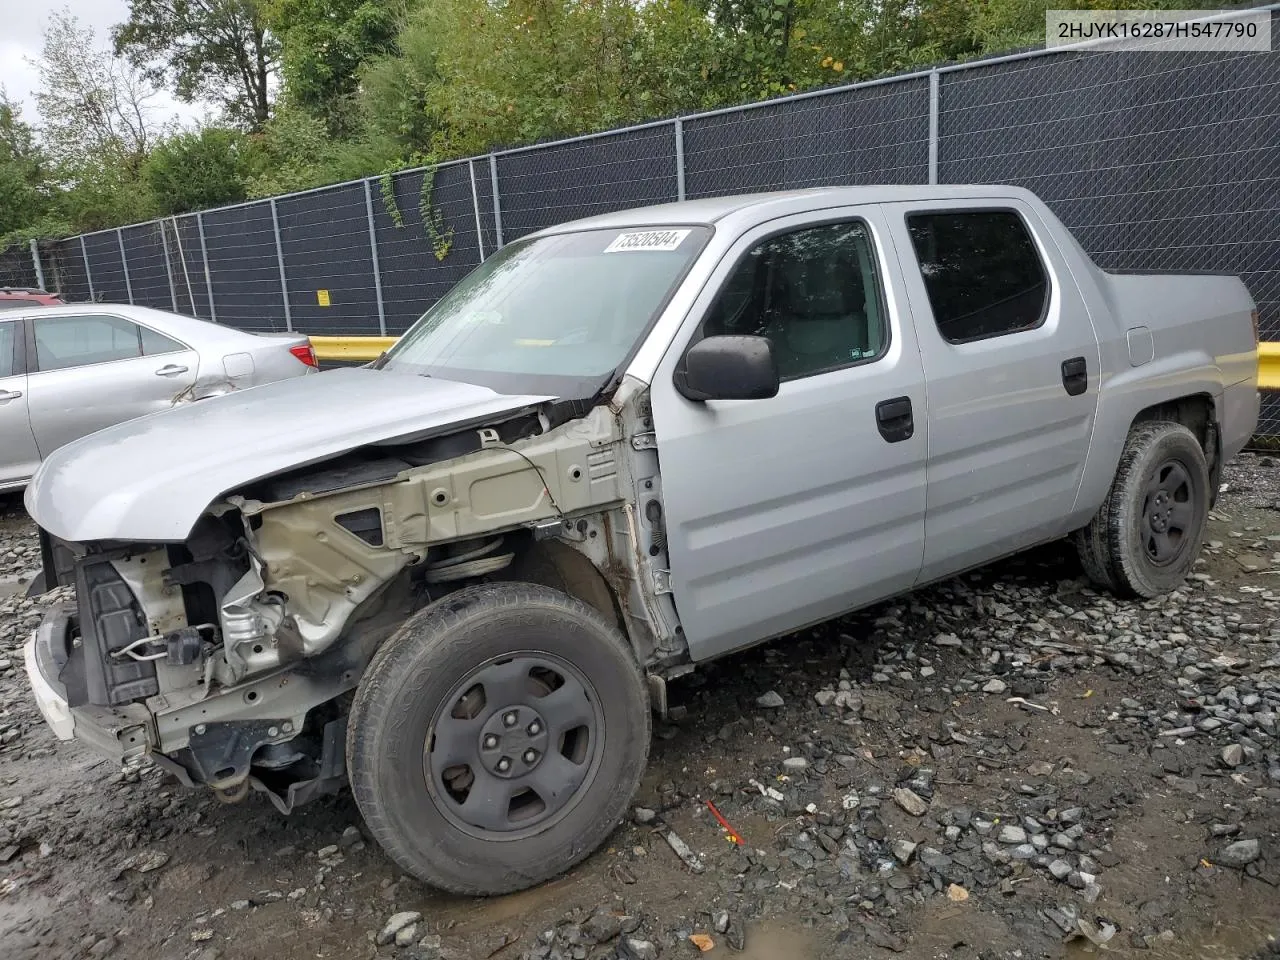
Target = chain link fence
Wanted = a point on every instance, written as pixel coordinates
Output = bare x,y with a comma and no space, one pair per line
1156,161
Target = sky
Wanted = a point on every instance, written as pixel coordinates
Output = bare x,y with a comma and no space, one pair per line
22,38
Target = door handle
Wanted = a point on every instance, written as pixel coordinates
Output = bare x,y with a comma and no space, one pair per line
9,395
1075,376
170,370
894,419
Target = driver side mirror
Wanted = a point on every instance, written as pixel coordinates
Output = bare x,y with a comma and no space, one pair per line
729,368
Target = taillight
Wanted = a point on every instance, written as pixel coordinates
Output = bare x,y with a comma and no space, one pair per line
306,353
1254,317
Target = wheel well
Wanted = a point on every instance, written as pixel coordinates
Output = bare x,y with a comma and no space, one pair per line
1197,414
560,567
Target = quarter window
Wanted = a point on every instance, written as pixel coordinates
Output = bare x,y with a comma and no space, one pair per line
982,272
814,293
63,342
154,343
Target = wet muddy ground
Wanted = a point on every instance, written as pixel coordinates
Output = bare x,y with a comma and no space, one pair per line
1010,764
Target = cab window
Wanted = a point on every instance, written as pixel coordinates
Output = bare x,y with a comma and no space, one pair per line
814,293
982,273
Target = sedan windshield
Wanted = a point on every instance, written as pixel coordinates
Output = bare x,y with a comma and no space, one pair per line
554,315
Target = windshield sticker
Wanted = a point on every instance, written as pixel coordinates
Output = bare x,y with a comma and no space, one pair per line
647,240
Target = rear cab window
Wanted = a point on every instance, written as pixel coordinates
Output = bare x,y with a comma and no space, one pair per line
982,272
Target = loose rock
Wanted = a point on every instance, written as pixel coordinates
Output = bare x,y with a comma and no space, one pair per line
910,801
1239,854
395,923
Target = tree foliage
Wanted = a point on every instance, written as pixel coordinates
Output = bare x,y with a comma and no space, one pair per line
26,207
192,171
220,50
92,104
324,44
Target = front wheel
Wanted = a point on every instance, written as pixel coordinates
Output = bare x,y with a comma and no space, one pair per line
498,737
1145,538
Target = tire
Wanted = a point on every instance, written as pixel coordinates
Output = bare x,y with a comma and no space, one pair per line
1091,549
1146,536
511,642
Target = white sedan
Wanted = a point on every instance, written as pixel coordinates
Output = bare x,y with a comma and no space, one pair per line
67,371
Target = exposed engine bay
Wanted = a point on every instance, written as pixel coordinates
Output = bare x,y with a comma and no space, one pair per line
230,657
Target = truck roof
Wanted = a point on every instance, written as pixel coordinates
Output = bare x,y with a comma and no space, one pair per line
766,206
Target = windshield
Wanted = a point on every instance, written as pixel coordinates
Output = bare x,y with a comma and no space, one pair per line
554,315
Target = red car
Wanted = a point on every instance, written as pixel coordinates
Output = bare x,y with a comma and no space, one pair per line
27,297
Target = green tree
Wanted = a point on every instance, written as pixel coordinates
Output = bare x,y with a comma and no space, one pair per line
208,49
22,201
98,123
92,104
192,171
323,45
106,193
26,207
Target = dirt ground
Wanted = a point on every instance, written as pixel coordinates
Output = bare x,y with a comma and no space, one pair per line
1007,765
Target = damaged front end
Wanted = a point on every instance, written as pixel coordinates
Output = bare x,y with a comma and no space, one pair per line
149,659
231,657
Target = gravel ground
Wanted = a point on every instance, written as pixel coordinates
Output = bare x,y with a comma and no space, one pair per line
1010,764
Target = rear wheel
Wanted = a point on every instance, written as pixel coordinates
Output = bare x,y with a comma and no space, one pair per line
1145,538
498,737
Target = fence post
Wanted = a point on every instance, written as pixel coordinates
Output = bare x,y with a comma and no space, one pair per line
377,270
679,131
35,260
284,283
168,266
124,263
475,205
88,273
933,126
204,257
497,204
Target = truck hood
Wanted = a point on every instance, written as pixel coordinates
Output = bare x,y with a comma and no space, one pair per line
151,478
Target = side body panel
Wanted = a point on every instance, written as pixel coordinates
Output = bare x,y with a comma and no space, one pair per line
787,511
1202,345
19,455
72,403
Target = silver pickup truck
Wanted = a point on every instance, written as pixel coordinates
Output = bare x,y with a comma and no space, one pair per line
460,578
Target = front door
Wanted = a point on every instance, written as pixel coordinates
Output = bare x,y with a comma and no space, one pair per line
787,511
1011,362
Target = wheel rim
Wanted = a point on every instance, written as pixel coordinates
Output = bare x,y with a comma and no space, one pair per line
514,746
1169,513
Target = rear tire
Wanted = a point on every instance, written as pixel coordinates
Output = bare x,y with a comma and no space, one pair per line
1146,537
498,737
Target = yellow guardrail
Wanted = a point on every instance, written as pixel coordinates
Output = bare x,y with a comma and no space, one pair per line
1269,366
351,349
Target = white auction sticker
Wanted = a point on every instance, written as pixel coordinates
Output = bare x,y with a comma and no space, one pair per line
647,240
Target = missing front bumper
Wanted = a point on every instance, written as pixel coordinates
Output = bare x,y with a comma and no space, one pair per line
119,733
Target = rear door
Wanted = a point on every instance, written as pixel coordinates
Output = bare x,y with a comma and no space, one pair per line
19,456
1011,364
789,510
93,370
